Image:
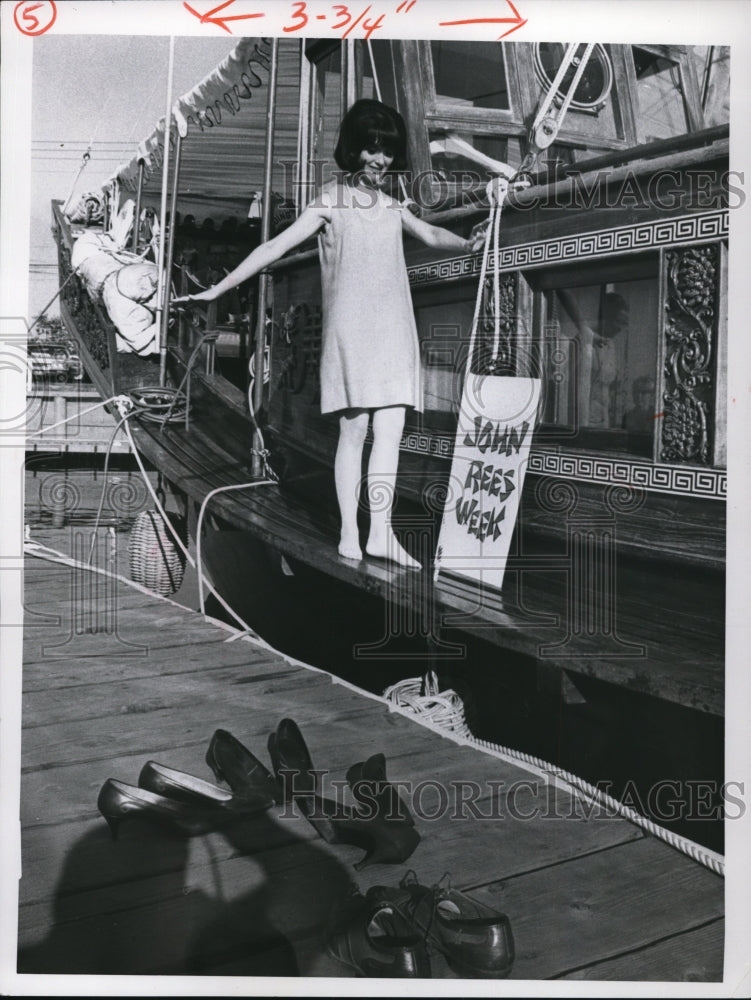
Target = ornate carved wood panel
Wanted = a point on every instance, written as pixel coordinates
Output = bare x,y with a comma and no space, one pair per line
689,350
495,355
89,320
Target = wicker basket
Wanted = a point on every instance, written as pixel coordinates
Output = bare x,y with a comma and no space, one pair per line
156,561
420,696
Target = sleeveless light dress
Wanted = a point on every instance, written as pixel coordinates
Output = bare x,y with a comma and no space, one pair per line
370,354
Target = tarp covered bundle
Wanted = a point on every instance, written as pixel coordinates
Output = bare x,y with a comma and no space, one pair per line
223,124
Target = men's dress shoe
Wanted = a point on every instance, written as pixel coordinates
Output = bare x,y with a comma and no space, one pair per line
239,768
119,801
476,940
377,941
184,787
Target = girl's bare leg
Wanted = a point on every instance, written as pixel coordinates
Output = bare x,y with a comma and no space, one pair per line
388,424
353,426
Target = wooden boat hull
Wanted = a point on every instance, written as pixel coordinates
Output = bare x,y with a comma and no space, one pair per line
617,560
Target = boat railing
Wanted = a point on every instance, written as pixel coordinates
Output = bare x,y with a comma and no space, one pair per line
96,331
683,151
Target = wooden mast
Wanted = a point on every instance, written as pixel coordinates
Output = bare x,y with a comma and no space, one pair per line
163,280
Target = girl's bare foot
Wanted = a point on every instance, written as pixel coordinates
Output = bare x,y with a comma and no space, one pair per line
349,547
385,546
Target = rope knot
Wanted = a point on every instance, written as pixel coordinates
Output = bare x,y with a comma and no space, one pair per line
496,190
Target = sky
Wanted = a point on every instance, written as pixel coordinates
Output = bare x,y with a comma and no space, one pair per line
111,89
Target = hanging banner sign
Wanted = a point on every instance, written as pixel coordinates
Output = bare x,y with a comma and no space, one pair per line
493,437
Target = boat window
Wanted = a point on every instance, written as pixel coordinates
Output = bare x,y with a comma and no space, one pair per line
594,114
662,110
327,111
600,357
596,81
470,74
444,324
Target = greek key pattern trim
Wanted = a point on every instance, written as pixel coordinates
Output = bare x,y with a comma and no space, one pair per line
602,243
682,481
441,445
694,482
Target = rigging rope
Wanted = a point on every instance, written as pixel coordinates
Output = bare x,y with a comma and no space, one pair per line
545,126
84,163
400,179
127,409
204,505
496,191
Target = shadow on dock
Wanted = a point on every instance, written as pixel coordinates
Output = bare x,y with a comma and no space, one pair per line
189,920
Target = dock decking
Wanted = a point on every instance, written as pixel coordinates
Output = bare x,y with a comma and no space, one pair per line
117,677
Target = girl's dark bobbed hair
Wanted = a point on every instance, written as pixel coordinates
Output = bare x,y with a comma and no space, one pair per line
371,125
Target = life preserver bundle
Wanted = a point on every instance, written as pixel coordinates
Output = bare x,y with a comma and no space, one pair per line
125,284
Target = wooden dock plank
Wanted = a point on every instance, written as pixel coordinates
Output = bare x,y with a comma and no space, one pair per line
694,956
604,905
296,886
163,660
142,695
584,891
444,785
496,821
133,927
99,738
280,879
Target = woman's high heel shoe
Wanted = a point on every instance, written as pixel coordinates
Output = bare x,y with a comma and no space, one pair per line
182,787
381,806
386,839
291,761
298,782
385,842
374,792
239,768
118,801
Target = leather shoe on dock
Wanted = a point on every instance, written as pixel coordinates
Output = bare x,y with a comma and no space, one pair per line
381,826
374,939
291,761
187,788
119,801
476,940
234,764
297,781
375,793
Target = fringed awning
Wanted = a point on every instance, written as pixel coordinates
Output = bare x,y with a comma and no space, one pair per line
223,124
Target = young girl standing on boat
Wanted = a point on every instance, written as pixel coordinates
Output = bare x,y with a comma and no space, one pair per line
370,356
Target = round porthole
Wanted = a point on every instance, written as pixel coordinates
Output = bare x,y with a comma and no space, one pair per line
596,82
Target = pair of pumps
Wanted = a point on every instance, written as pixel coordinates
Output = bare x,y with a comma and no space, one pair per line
381,823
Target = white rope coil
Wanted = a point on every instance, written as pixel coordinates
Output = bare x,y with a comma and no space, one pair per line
446,711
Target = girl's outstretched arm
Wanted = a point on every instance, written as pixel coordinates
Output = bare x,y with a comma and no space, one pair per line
309,222
438,238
